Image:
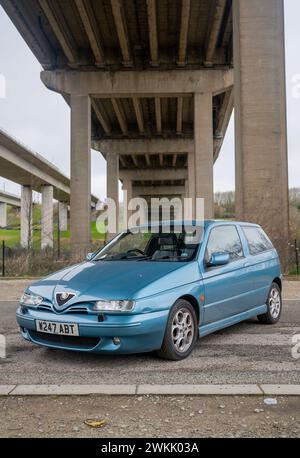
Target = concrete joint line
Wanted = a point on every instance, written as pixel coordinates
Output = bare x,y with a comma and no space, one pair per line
133,390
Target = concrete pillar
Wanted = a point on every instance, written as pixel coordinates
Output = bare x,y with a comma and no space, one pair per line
47,217
260,117
80,204
191,184
112,184
203,158
63,216
127,187
3,214
26,216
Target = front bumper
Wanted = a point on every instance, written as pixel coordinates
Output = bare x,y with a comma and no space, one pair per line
137,333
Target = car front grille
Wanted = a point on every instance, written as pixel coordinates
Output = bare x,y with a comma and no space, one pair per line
79,342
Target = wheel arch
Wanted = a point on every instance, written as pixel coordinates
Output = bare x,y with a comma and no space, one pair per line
278,281
194,303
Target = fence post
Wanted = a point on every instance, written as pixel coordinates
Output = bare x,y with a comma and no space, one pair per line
3,258
58,233
297,256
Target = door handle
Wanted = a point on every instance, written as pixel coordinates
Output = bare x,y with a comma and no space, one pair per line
247,264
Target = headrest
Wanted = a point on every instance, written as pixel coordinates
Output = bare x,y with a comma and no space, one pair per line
166,241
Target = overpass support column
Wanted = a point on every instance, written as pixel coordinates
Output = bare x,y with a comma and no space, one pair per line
47,217
127,186
3,214
63,216
203,156
191,186
80,202
260,117
112,185
26,216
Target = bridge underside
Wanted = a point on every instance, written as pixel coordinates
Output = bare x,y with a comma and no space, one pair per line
152,84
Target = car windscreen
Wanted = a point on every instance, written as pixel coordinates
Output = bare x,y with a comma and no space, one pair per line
159,244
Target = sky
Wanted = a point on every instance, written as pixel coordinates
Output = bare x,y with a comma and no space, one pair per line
40,118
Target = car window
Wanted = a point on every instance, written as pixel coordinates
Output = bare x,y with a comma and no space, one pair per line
257,240
224,239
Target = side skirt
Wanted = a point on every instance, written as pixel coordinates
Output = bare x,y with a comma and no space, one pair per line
206,329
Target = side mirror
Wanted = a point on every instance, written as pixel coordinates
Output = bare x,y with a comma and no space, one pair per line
218,259
89,256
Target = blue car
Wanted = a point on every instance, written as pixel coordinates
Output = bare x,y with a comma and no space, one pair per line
158,289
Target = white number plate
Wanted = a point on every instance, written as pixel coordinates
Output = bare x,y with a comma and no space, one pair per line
62,329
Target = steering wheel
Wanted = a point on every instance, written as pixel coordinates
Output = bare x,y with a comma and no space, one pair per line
136,250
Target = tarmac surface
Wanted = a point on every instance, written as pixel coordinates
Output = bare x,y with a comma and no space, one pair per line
247,353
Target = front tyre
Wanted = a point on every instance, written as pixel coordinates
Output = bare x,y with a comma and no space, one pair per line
181,332
274,306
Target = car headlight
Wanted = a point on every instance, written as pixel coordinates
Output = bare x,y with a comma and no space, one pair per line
114,306
31,299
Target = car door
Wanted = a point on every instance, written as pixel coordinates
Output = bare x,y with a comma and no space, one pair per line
226,287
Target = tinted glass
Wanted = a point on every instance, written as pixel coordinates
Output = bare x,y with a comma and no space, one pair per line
257,240
162,244
224,239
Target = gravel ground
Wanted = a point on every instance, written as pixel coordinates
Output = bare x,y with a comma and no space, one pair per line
149,416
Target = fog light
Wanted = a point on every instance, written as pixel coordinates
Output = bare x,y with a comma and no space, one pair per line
116,341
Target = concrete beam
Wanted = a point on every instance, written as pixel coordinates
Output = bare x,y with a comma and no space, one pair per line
152,26
20,165
146,146
101,118
80,212
26,216
59,32
121,28
3,214
140,83
47,217
120,116
158,190
10,199
157,102
90,27
213,31
25,167
161,159
154,174
139,114
184,27
179,115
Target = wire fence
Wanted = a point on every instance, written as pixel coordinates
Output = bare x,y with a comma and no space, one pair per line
21,262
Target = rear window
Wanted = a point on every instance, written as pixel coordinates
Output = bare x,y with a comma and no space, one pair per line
258,242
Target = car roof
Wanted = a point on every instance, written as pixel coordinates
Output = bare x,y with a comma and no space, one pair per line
198,223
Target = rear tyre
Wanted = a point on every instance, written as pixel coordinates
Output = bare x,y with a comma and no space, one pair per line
181,332
274,306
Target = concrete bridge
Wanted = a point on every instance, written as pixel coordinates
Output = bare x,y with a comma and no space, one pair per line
33,173
152,85
7,199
